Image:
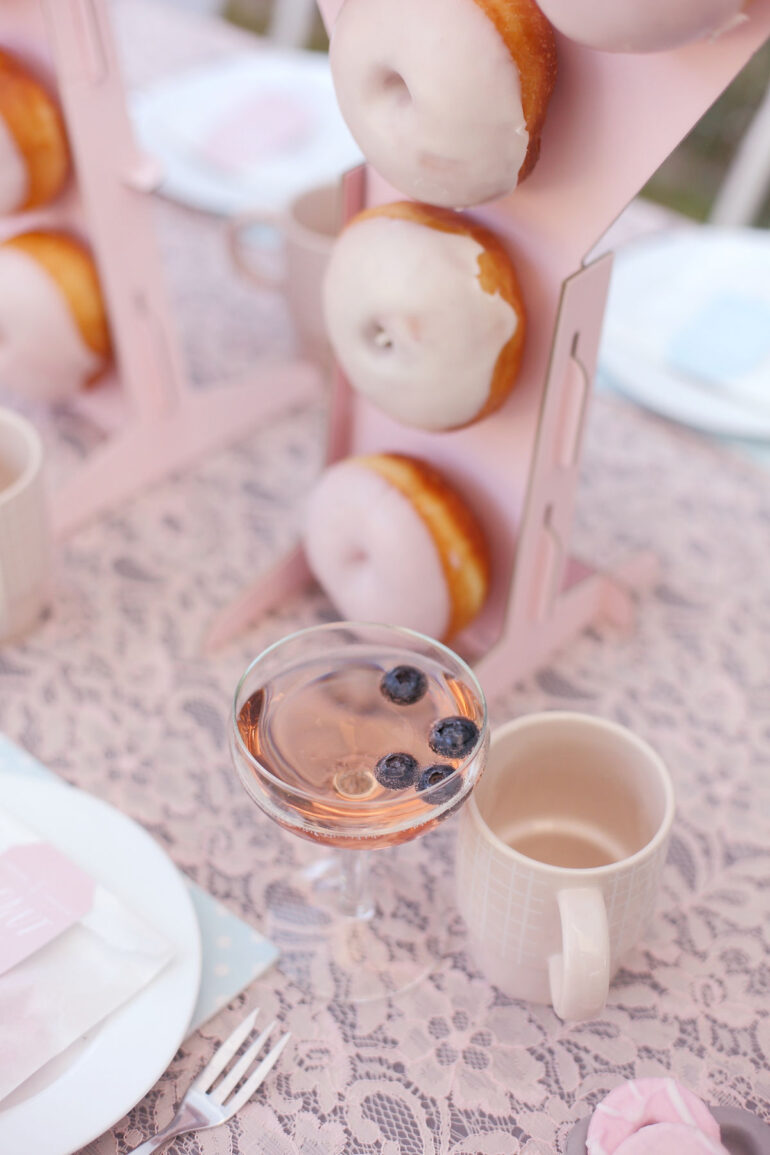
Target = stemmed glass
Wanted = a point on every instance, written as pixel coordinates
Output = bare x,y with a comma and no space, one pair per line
358,737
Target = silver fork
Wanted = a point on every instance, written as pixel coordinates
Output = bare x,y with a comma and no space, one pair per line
205,1105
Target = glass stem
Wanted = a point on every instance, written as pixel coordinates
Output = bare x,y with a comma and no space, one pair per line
355,893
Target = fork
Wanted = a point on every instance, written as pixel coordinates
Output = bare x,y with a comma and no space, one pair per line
205,1105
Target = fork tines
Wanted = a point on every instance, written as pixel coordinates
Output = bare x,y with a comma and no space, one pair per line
238,1073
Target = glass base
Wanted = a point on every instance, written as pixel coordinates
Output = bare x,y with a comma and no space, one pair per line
338,943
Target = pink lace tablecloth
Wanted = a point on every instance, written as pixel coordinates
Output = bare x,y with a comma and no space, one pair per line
113,693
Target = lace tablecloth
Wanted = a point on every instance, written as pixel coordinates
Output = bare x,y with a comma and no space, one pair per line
113,693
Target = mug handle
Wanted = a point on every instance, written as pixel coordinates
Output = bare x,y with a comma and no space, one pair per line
580,975
267,274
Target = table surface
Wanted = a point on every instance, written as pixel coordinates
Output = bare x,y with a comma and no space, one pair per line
114,694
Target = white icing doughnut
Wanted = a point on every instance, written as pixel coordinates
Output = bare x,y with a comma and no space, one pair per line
431,90
641,25
34,154
412,325
389,541
42,353
14,183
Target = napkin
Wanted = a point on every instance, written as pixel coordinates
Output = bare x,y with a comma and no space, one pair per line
70,952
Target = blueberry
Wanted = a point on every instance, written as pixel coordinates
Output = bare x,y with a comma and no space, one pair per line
453,737
396,771
431,779
404,685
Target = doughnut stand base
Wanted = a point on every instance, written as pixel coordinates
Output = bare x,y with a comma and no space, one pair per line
742,1133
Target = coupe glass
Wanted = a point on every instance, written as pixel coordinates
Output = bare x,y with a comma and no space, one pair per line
313,718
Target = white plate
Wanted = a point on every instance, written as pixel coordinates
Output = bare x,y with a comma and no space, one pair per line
92,1086
280,114
669,297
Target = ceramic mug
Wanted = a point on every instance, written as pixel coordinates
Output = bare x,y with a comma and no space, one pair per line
307,229
25,540
561,849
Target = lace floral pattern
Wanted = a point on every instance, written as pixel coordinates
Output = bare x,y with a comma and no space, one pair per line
113,692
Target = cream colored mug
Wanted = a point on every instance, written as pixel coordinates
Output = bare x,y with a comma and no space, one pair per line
560,854
307,229
25,540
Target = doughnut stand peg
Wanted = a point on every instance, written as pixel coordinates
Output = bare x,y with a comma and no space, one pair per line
612,121
156,422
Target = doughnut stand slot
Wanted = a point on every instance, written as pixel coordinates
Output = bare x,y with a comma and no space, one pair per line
612,121
154,420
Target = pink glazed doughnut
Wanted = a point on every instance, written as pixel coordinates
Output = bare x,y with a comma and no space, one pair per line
446,98
424,312
389,540
670,1139
639,1103
641,25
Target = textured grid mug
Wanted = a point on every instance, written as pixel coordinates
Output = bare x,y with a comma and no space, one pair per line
25,543
561,849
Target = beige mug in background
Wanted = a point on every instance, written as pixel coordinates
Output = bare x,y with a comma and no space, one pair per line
307,227
25,541
561,849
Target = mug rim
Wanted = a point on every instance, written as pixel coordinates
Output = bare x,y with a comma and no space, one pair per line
33,443
591,721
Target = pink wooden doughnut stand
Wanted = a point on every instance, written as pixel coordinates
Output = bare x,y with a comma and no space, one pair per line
612,121
156,422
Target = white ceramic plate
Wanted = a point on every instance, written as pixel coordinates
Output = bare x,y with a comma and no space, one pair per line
686,308
93,1085
247,133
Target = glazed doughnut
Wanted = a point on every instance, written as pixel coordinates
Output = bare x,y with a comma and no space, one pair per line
389,540
632,26
34,157
639,1103
424,313
446,98
53,324
670,1139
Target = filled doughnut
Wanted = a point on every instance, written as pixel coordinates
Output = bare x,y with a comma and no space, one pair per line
670,1139
424,313
633,26
54,335
446,98
639,1103
389,540
34,157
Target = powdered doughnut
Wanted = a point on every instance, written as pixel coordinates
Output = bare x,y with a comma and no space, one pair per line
446,98
425,315
54,337
641,25
389,540
639,1103
671,1139
34,157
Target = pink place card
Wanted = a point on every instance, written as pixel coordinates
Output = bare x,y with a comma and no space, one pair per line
42,894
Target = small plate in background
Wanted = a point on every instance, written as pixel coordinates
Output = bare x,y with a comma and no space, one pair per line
687,329
247,133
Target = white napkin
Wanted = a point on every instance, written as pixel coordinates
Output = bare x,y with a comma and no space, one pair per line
65,987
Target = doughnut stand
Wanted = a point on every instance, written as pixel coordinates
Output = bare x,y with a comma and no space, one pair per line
154,420
612,121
